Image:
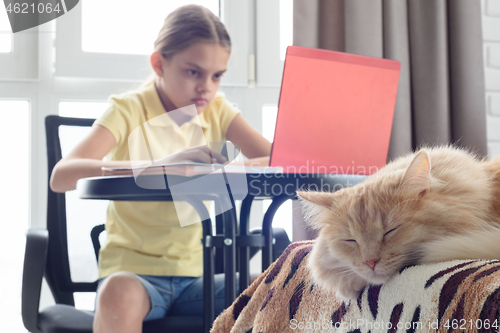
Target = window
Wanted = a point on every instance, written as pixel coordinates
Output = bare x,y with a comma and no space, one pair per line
19,52
286,26
274,33
5,33
82,109
14,143
81,215
98,35
87,46
269,115
71,65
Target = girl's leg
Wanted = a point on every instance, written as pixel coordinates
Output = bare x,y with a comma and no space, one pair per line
122,304
190,302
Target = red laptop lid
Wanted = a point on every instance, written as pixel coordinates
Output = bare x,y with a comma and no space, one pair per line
335,112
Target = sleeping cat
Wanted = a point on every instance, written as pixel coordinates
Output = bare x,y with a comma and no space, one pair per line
435,205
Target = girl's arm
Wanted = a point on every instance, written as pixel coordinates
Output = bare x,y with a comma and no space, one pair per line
251,142
85,160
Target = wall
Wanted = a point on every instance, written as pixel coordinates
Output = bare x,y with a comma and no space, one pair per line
491,42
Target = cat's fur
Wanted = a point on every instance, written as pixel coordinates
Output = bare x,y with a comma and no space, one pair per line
434,205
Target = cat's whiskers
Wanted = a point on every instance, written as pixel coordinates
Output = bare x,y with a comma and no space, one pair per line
350,274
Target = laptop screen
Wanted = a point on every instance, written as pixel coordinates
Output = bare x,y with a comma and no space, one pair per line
335,112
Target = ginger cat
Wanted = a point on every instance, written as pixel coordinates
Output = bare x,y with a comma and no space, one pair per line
434,205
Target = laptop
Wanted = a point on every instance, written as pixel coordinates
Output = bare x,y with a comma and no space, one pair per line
335,112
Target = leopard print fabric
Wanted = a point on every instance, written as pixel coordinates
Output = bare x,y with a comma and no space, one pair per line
454,296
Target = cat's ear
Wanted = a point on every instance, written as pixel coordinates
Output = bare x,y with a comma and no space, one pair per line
314,204
323,199
417,177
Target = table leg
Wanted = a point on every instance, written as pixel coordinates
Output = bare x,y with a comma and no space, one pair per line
230,221
267,229
230,256
208,280
246,205
208,260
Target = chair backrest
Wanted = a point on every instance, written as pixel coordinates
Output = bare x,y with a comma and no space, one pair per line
57,272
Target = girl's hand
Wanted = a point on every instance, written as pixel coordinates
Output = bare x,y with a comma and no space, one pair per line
199,154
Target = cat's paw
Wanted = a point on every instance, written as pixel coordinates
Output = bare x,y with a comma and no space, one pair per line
347,294
348,289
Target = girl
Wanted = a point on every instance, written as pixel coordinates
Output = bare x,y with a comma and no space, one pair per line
149,265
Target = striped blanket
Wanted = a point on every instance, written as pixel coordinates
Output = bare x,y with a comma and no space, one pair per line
454,296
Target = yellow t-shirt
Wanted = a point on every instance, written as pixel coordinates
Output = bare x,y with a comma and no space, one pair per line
146,237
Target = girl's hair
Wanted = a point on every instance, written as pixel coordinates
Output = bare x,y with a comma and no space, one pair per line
187,25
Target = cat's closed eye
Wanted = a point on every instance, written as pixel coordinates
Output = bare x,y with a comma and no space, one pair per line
388,232
350,240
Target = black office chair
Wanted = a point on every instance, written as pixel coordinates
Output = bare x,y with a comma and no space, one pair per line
47,256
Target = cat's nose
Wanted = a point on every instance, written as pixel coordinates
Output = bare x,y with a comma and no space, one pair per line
372,263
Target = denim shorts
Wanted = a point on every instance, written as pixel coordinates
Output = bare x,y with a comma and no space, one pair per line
179,295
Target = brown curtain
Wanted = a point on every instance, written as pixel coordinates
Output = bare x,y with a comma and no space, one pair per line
441,95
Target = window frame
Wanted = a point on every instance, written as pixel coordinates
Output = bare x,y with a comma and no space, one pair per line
73,62
22,62
269,65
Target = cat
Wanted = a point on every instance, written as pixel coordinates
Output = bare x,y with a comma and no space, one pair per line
434,205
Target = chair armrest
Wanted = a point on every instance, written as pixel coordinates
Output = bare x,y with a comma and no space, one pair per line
34,266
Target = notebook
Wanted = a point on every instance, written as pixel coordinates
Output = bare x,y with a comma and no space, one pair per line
335,112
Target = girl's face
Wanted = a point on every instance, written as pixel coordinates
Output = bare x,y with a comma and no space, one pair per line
193,75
